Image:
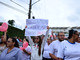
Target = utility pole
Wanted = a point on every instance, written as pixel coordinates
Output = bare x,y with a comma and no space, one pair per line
30,6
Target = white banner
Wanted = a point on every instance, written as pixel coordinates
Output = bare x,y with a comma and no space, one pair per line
36,27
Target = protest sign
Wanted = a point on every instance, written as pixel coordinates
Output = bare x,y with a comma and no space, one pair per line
36,27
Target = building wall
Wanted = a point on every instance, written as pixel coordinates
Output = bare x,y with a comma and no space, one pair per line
64,29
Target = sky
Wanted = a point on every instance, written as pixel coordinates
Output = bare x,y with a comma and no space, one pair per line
60,13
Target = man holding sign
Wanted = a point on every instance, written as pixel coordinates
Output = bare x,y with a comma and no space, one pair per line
37,27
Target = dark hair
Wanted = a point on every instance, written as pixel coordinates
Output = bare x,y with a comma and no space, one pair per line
71,32
16,42
75,32
32,37
39,44
26,39
59,32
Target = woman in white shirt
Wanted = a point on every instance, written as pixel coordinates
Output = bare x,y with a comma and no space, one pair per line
46,50
69,49
37,47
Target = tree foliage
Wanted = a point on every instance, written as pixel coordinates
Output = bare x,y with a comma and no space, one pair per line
13,32
11,22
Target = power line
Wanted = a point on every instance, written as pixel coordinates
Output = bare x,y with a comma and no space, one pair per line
18,4
13,8
35,2
24,1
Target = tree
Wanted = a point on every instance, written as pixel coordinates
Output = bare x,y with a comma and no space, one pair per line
11,22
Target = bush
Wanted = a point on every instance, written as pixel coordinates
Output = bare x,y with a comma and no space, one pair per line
13,32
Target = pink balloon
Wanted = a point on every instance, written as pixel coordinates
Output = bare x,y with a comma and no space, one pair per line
4,27
52,36
25,45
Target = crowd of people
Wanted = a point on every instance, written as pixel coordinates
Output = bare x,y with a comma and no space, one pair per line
42,47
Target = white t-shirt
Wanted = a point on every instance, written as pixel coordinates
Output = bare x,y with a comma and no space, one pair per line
34,54
78,43
26,56
46,51
69,51
54,46
35,48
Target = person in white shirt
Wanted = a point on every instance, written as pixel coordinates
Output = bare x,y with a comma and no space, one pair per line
69,49
54,46
37,47
46,50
